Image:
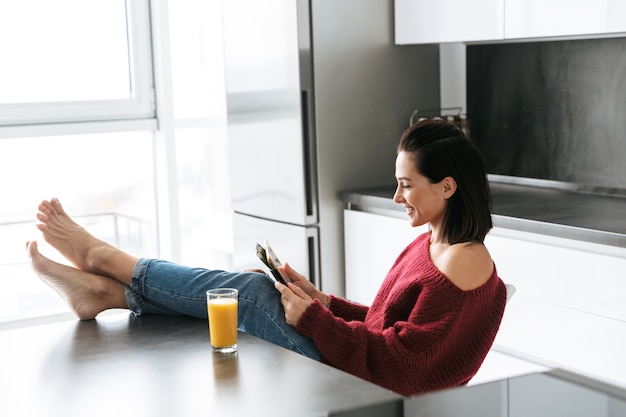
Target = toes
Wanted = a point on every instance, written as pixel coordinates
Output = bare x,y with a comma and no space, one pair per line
56,204
31,246
44,209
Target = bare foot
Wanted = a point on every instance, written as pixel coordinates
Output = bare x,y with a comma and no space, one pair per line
87,294
78,246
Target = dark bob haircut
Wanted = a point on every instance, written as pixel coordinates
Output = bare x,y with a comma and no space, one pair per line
440,149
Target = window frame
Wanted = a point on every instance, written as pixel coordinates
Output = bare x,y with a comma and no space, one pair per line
140,104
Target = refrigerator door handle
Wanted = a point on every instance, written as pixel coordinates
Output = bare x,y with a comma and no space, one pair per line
308,154
314,257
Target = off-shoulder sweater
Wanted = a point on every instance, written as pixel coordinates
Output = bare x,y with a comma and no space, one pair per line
421,333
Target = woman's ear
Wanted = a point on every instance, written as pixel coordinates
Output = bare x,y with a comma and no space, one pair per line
448,186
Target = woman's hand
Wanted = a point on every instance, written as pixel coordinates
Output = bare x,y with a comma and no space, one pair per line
297,295
294,300
303,283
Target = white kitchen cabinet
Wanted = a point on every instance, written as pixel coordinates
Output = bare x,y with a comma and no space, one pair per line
555,18
581,276
425,21
372,244
421,21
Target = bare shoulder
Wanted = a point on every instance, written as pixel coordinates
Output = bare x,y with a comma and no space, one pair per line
467,265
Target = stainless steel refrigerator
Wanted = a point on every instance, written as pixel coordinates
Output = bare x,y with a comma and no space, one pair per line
317,95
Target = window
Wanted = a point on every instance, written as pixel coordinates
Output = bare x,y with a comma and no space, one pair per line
199,117
74,60
78,121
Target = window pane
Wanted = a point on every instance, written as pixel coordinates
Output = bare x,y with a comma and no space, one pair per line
63,50
105,181
197,63
204,197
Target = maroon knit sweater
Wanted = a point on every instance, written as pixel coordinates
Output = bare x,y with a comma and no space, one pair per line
422,333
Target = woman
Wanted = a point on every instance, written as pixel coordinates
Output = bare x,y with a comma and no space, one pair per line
430,326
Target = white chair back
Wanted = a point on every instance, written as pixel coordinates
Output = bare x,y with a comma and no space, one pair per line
510,290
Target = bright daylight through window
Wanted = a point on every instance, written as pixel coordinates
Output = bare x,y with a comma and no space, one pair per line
82,84
62,58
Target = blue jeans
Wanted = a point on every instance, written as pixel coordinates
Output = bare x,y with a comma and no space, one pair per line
162,287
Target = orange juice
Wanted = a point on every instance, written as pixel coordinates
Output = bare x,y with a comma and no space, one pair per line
223,322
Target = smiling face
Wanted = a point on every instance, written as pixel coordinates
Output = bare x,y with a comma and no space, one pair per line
442,180
424,201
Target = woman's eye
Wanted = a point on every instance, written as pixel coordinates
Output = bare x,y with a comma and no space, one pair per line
406,187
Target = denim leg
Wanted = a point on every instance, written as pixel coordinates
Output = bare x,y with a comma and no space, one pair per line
163,287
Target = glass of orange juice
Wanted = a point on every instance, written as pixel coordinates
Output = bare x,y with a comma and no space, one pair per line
222,309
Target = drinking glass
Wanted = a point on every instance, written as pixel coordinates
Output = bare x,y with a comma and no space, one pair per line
222,310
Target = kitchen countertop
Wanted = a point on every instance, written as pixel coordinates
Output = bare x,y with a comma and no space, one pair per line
163,366
549,211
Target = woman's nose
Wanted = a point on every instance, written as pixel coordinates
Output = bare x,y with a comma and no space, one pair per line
397,195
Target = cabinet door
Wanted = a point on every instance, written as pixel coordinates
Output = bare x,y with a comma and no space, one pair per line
537,18
581,276
372,244
425,21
